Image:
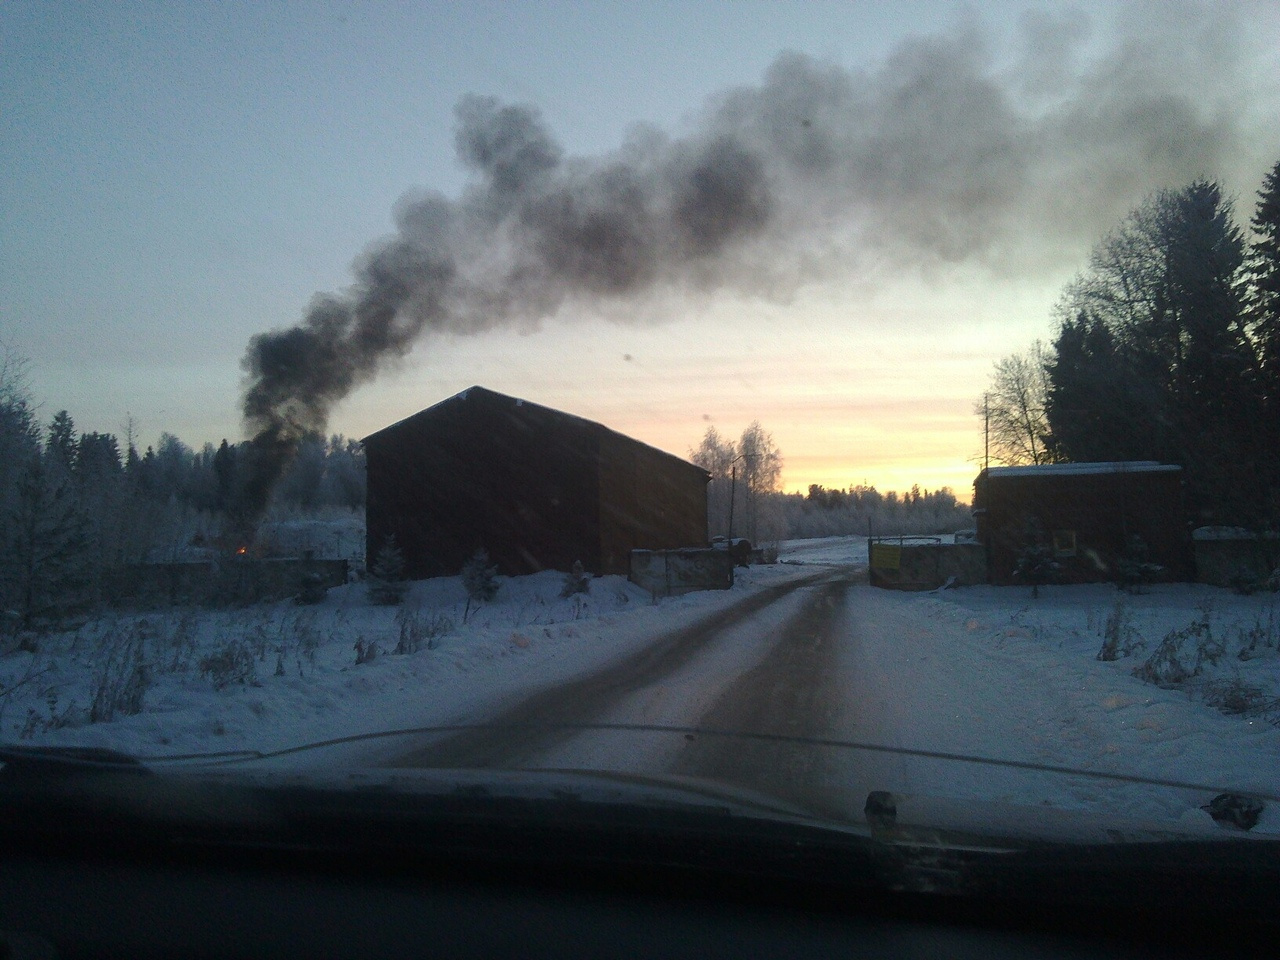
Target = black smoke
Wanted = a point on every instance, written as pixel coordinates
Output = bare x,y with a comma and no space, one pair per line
952,152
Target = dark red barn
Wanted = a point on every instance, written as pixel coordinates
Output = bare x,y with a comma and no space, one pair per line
537,488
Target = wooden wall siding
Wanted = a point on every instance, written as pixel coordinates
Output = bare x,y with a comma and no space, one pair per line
649,500
537,488
1103,510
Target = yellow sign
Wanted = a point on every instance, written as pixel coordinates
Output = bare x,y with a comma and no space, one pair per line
885,557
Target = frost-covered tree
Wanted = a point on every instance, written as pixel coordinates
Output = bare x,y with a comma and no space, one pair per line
742,477
759,474
344,482
716,455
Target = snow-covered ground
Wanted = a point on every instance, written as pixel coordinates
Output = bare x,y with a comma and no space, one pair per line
272,676
824,550
978,671
992,672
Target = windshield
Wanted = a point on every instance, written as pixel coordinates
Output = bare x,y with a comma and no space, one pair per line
856,407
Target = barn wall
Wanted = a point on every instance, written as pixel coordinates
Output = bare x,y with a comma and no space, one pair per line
485,471
1103,510
648,501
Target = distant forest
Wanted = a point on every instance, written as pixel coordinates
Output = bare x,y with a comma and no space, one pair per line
74,506
744,498
1167,347
865,510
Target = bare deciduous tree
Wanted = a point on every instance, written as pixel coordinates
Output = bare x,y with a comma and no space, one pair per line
1014,408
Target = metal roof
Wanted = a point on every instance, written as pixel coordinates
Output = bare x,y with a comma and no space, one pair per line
1070,469
462,396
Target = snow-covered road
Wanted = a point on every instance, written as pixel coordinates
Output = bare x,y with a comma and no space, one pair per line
842,663
669,682
980,671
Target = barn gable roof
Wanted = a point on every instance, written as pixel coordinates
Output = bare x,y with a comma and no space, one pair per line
493,395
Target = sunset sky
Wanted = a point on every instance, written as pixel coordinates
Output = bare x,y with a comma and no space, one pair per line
177,177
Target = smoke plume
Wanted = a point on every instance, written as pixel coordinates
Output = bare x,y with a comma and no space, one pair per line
951,152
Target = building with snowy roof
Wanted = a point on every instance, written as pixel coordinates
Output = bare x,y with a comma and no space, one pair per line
537,488
1088,513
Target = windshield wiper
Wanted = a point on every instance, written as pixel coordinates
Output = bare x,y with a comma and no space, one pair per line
53,761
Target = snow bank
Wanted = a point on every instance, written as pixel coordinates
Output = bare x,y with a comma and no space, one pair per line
271,676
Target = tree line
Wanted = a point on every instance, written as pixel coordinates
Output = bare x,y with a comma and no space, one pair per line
864,509
744,498
77,505
1167,347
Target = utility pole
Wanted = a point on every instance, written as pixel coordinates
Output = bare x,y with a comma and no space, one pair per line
733,489
733,493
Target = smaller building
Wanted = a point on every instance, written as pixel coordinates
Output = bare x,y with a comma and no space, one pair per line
1088,513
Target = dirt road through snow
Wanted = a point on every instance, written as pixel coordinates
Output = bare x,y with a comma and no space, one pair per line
526,732
793,692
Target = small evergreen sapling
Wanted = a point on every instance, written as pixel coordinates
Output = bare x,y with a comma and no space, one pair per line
480,580
1036,564
386,579
1134,570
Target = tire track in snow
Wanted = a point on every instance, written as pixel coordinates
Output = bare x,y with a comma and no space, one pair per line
793,692
516,735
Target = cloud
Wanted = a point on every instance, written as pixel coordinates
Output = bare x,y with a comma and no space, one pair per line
954,152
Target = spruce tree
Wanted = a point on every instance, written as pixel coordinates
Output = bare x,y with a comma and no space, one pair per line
1262,312
386,577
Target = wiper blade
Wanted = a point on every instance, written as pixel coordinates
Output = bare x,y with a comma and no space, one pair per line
53,761
249,756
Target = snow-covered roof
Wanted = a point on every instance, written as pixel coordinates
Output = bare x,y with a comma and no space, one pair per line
1060,469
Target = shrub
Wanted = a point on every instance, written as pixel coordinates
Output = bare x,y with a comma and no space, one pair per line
1164,667
1120,639
575,581
366,652
122,676
180,638
1134,570
1035,563
1236,698
233,663
417,631
1265,634
480,580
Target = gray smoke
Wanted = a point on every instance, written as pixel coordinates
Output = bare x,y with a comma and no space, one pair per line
951,153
